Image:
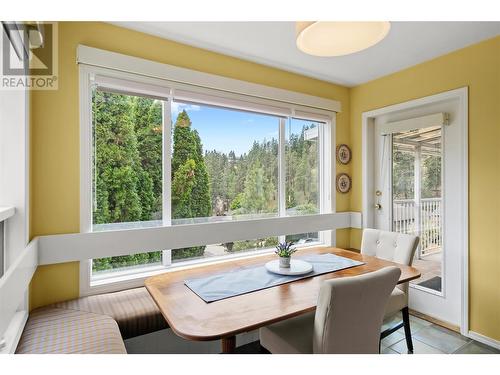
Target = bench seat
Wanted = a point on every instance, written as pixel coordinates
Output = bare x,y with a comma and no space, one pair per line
61,331
133,309
93,324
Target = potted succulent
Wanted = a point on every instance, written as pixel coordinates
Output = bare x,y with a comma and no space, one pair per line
285,250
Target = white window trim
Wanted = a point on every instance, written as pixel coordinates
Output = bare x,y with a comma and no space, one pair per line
178,77
134,83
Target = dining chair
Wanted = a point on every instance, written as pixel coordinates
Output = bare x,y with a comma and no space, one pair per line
399,248
348,318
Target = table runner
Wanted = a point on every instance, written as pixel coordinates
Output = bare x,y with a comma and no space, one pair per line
229,284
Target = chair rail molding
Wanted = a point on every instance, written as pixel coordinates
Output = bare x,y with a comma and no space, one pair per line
84,246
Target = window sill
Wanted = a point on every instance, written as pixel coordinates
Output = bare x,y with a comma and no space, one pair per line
126,279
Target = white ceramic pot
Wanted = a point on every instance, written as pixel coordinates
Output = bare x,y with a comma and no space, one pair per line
284,262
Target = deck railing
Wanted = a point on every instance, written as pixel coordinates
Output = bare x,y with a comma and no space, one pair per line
424,221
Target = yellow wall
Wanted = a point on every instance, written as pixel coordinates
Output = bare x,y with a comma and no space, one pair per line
55,132
477,67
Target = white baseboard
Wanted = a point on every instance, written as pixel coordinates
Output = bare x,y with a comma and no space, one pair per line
484,339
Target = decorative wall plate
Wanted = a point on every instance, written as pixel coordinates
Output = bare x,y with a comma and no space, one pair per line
343,183
343,154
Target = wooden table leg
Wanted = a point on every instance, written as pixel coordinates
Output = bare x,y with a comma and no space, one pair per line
228,344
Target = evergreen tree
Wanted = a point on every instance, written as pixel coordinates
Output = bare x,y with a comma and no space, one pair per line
147,198
431,171
403,175
124,189
148,125
189,179
117,160
184,145
257,194
201,204
182,190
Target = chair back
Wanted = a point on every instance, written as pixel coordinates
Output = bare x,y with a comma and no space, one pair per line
392,246
350,311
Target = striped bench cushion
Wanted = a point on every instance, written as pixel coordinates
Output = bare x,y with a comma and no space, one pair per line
134,310
53,330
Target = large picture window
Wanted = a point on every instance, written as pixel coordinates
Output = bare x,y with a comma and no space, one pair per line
158,160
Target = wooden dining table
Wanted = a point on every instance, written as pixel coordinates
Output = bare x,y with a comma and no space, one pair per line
192,318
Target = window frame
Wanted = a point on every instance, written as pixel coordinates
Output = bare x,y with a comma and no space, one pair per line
135,84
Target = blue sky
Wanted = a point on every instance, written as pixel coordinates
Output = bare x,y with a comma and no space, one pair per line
227,130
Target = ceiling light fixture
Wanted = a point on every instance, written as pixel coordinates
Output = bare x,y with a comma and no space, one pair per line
323,38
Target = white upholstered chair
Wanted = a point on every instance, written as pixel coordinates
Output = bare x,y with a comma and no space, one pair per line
347,320
399,248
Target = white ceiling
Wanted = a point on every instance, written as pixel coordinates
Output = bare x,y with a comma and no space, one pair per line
273,44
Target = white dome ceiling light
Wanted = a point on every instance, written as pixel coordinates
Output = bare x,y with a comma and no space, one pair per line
323,38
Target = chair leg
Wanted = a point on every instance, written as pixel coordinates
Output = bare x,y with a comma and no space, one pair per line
406,322
263,350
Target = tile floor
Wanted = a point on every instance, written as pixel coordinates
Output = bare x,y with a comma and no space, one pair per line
428,338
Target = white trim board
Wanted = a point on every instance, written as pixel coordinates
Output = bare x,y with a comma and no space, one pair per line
6,212
54,248
112,60
460,94
436,119
356,220
484,339
14,331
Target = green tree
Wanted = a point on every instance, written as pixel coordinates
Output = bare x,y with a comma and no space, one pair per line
201,205
431,175
236,202
182,190
302,171
117,160
190,181
258,193
403,174
148,125
124,188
